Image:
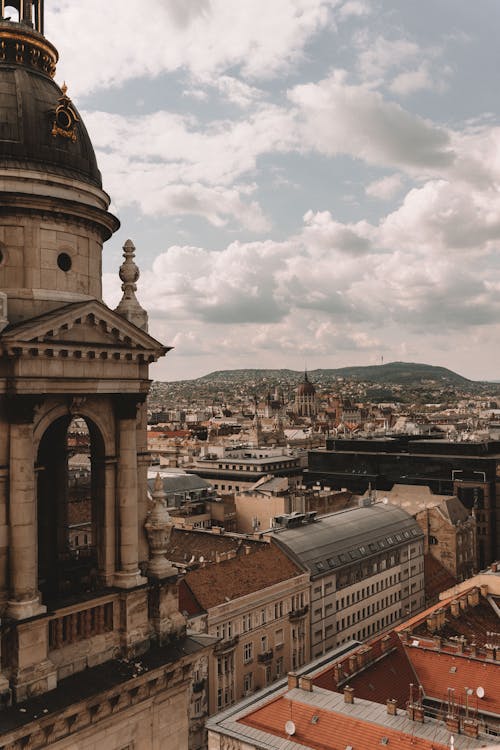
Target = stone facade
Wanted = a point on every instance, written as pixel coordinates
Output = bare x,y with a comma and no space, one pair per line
93,647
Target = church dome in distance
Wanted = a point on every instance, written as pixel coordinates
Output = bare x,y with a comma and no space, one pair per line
40,129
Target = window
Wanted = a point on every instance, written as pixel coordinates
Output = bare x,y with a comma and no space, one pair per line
278,639
263,617
248,652
278,610
248,683
197,706
279,667
246,623
263,644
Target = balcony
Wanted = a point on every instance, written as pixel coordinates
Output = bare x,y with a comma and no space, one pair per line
198,685
265,657
226,645
296,614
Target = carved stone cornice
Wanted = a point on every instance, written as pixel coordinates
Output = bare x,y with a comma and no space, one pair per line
42,731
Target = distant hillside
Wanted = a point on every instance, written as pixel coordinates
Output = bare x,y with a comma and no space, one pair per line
395,373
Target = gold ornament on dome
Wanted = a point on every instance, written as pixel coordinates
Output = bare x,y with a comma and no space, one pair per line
65,117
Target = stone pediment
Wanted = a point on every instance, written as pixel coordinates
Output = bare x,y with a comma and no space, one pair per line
89,328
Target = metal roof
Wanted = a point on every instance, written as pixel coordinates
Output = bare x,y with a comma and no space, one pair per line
343,538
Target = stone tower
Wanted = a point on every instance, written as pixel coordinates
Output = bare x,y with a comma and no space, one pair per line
65,354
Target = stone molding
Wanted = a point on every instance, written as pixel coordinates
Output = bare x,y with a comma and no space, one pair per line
53,727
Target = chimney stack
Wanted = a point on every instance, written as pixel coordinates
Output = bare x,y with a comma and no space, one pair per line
348,694
392,707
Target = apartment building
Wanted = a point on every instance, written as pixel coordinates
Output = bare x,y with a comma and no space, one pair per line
257,605
366,566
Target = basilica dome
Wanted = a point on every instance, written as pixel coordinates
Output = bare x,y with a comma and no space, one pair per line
40,128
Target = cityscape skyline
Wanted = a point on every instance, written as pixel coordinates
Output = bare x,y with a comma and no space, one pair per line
318,186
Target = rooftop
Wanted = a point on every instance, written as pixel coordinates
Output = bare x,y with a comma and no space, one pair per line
347,536
231,579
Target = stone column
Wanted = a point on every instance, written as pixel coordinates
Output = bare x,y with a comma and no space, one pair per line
24,599
128,574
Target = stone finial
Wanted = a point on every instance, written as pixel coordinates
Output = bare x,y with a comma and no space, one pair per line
158,528
129,306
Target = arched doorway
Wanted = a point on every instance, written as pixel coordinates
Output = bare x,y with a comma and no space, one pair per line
70,499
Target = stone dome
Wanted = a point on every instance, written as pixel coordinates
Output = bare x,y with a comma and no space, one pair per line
40,129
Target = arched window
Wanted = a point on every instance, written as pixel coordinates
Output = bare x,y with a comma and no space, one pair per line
70,487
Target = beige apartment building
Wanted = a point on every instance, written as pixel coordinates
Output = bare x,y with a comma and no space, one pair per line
366,566
257,605
258,507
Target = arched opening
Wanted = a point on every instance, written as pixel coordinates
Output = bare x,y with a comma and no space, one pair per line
11,13
70,470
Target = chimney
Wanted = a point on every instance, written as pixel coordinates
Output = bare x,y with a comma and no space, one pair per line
461,643
306,683
463,603
338,673
438,642
452,723
418,714
441,615
361,658
494,567
484,590
293,680
247,548
385,643
490,651
348,694
432,625
473,597
407,635
392,707
353,663
473,649
471,728
455,608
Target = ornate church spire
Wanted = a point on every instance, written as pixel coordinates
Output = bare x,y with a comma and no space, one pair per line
129,306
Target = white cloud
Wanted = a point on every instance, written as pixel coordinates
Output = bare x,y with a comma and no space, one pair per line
340,118
355,8
205,37
385,188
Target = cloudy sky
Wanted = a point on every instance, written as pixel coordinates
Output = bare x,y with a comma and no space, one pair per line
306,181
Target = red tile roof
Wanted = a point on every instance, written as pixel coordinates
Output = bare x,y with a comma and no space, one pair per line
437,578
331,730
245,574
387,676
437,671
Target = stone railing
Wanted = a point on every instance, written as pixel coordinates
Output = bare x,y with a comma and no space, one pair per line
71,627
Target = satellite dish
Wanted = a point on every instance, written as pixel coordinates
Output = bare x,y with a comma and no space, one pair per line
290,728
469,691
480,692
202,559
385,500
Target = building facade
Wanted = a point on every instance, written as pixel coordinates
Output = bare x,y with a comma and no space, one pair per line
367,571
71,623
257,606
469,470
